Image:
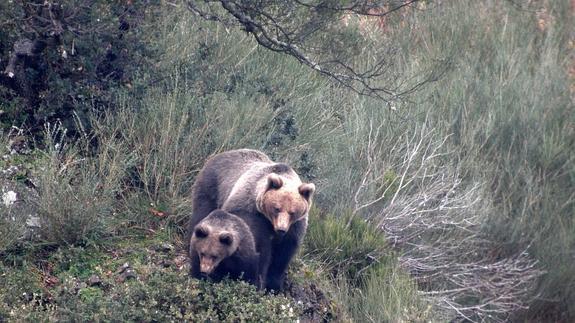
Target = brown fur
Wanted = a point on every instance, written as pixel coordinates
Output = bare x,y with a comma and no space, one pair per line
283,208
268,196
222,244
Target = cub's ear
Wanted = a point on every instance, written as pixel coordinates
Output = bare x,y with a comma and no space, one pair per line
275,181
307,190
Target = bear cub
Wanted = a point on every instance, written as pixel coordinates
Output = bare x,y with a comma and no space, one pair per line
223,245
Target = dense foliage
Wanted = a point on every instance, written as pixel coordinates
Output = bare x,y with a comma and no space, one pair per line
68,57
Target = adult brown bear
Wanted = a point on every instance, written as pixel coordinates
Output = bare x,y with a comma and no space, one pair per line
268,196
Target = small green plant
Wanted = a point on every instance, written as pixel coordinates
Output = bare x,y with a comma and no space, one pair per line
344,245
18,283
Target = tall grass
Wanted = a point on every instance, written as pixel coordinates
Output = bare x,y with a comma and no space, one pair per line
77,193
218,91
366,279
169,140
387,294
508,106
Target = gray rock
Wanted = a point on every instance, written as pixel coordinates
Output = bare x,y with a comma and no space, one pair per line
164,247
18,209
33,221
123,268
10,171
78,285
125,272
166,263
94,280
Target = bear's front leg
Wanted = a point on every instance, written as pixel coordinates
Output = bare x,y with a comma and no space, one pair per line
195,266
252,273
283,250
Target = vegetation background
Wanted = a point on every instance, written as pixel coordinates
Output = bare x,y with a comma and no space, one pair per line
455,202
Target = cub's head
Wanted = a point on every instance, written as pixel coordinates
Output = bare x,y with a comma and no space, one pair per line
285,201
213,242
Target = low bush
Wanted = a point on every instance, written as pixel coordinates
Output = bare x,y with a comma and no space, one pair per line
345,245
60,287
164,297
365,278
77,193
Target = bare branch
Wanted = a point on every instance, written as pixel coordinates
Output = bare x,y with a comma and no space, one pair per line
429,214
298,28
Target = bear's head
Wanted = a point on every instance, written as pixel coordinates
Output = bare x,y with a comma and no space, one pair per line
285,202
213,243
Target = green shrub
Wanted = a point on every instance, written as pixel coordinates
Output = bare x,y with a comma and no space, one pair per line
169,297
79,61
364,276
345,245
76,192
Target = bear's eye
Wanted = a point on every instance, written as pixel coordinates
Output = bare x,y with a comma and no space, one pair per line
226,239
277,209
201,233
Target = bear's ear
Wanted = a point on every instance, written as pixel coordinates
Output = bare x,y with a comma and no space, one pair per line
307,190
275,181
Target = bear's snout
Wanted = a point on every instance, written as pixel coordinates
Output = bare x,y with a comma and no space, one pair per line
281,223
208,264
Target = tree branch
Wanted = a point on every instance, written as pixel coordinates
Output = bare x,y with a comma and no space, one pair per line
297,36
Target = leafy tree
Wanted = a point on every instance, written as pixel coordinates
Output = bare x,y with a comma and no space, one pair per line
63,56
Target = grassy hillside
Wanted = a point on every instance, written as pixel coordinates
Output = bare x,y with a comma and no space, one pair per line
456,204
